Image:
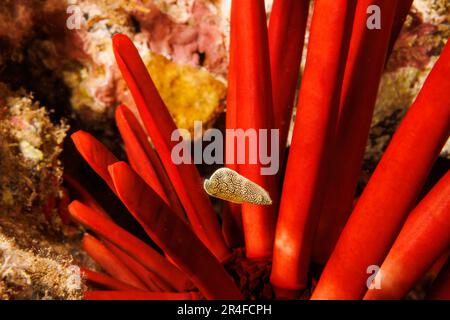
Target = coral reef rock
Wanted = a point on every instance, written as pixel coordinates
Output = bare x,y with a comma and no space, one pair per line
30,173
72,47
426,30
35,264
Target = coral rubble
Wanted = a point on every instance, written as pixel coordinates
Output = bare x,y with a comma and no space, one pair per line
30,174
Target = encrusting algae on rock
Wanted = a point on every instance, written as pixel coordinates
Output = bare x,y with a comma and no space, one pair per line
39,253
25,274
30,144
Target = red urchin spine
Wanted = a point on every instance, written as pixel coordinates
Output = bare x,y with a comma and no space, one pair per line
160,126
363,70
423,239
392,190
287,28
173,235
312,142
254,102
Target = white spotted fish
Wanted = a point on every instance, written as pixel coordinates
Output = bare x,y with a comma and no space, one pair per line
227,184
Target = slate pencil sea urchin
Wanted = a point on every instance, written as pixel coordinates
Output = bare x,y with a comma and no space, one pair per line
306,221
